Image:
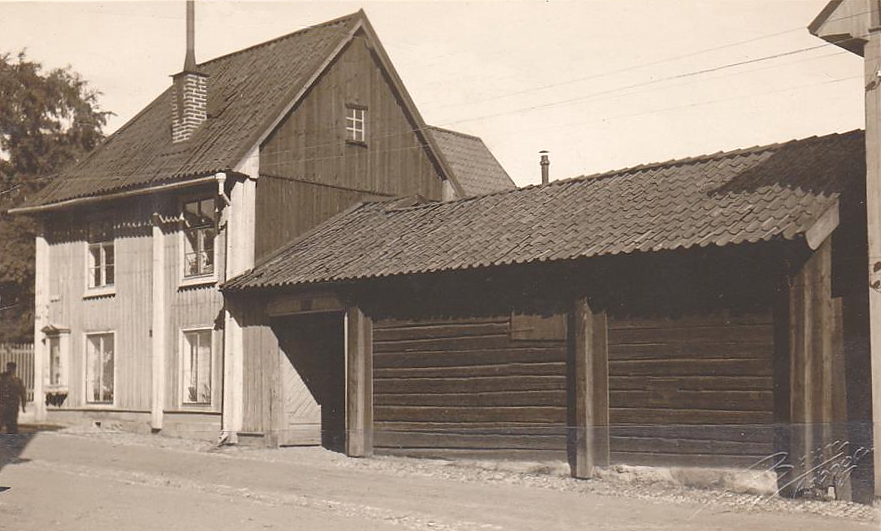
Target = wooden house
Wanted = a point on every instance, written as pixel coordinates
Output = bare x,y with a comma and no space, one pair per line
238,156
702,312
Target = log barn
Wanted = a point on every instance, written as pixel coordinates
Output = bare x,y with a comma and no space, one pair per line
705,311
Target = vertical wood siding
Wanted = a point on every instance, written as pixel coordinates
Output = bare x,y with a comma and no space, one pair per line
693,390
126,312
464,387
308,170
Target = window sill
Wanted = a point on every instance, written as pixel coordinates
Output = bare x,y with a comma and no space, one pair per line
204,280
105,291
359,143
99,406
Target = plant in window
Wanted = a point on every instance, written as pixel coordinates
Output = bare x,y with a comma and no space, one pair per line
199,235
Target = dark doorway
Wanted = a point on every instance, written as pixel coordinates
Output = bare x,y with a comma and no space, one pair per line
314,346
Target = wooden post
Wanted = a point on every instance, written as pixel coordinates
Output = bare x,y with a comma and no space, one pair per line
872,54
588,390
41,319
359,383
158,337
811,379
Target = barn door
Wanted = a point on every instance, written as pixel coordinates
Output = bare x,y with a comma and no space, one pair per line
312,375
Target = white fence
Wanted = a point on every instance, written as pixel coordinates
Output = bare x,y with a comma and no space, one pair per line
23,356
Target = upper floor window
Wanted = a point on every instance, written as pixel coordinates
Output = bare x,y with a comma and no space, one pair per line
101,254
356,123
199,235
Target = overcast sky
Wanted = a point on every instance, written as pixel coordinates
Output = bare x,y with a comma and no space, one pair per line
601,84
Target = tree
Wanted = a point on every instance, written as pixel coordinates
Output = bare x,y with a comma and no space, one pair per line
48,120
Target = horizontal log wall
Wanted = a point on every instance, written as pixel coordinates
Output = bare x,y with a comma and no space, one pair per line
693,390
465,388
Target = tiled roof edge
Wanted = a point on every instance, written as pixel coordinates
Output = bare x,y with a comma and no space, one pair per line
642,167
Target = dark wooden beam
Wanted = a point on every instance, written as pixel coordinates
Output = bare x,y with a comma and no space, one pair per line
814,380
588,390
359,383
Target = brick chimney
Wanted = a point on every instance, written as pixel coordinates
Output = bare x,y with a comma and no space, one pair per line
189,103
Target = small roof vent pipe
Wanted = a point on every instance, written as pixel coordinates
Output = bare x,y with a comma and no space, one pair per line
545,162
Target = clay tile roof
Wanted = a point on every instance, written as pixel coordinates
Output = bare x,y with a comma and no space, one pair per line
474,166
247,90
774,192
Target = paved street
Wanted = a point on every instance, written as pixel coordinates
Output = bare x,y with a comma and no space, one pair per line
73,482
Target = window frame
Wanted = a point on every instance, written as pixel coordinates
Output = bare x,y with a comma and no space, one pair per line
62,336
183,351
103,289
202,278
85,380
352,122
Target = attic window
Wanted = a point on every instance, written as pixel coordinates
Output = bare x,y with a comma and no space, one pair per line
356,124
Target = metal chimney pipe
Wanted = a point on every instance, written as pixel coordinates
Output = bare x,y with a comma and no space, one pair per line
545,162
190,59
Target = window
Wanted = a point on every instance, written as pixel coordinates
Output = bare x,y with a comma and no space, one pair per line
196,367
55,379
100,361
199,234
101,254
356,124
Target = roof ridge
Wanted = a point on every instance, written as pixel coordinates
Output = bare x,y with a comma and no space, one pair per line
458,133
641,167
283,37
709,156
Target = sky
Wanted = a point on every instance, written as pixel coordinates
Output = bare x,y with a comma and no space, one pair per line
600,84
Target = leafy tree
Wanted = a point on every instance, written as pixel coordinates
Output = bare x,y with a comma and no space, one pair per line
48,120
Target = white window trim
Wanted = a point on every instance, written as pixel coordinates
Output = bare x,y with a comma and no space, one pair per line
201,280
181,385
99,291
85,375
353,122
63,337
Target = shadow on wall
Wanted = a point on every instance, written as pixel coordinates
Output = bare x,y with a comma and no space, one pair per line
313,344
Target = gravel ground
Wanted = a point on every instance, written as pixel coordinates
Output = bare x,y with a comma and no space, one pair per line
617,481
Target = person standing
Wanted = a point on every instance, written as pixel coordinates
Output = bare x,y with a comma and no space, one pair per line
12,396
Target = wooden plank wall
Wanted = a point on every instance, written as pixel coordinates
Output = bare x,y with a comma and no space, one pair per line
463,387
126,312
310,146
694,390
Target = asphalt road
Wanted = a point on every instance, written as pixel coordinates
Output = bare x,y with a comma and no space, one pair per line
73,483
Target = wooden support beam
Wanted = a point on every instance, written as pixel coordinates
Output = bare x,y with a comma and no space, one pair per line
588,390
872,54
158,337
41,319
359,383
812,377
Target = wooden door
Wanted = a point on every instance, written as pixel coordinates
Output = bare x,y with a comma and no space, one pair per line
311,350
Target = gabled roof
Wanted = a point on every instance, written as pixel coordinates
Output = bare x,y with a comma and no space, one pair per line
474,166
776,192
249,92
